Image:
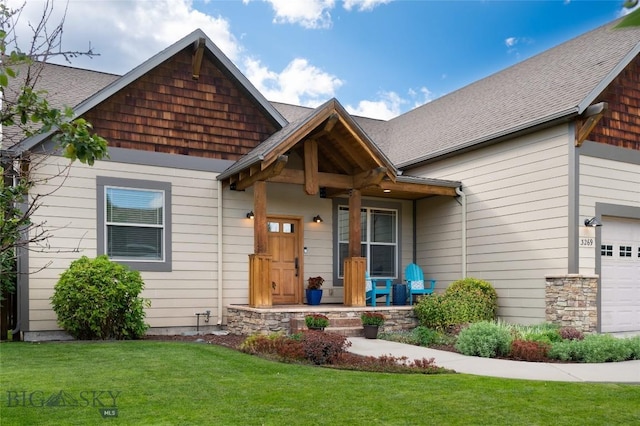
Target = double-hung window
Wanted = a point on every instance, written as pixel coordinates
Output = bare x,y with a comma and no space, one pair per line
133,225
379,240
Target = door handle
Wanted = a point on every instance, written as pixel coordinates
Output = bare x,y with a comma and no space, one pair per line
296,263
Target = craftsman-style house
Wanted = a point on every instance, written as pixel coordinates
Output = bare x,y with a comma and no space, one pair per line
249,198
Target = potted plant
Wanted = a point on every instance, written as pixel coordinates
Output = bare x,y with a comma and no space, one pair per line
371,321
316,321
313,291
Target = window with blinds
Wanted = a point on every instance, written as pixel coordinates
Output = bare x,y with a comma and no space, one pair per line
135,224
379,235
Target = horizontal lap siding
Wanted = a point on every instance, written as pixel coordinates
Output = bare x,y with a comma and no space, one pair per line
517,216
605,181
71,214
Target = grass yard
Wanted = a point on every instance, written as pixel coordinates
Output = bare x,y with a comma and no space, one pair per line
169,383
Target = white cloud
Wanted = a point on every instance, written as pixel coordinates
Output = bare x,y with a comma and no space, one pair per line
314,14
307,13
386,107
511,43
421,96
364,5
300,83
127,32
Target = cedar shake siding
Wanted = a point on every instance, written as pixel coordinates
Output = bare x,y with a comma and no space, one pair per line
168,111
620,125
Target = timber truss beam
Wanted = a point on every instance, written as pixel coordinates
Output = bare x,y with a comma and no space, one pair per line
253,175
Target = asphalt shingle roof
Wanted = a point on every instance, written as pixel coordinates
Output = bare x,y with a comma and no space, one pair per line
558,82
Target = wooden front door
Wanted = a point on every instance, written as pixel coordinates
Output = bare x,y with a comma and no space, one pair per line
284,238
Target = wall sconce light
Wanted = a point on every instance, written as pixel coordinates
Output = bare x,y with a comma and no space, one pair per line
593,222
250,215
317,219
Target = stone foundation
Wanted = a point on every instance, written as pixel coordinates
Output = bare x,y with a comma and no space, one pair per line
571,300
243,319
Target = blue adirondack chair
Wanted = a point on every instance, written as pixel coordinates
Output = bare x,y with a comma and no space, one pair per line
373,291
414,278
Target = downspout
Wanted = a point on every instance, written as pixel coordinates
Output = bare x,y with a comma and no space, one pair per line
414,255
219,230
463,203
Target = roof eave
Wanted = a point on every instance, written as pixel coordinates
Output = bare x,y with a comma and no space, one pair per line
602,85
531,126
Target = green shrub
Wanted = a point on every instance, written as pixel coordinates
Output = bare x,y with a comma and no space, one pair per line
596,348
465,301
98,299
429,337
542,333
470,285
634,345
485,339
432,313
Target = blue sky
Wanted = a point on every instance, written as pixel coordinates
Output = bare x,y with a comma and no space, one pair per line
379,58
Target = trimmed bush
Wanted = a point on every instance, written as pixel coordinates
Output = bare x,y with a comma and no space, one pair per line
465,301
98,299
484,339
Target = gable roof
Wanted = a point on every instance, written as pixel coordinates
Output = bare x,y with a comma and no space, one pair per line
557,84
191,39
56,80
305,121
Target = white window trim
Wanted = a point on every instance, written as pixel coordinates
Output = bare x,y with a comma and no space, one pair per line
137,225
365,239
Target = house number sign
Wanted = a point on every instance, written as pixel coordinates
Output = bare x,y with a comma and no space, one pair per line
587,242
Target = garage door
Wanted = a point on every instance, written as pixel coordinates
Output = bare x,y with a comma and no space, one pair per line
620,258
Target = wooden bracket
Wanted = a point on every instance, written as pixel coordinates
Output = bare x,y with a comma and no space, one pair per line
273,170
593,114
198,53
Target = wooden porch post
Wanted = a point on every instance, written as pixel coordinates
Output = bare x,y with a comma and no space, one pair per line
354,265
260,262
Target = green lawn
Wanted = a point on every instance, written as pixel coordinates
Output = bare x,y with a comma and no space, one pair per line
188,383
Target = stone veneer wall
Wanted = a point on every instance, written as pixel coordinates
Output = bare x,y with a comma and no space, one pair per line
246,320
572,301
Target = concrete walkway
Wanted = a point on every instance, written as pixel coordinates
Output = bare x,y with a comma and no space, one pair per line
618,372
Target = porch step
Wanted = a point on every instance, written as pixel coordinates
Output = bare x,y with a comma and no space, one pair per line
350,327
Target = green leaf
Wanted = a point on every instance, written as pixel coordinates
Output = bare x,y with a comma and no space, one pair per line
4,80
631,20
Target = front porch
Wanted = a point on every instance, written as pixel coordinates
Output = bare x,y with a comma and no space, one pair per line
244,319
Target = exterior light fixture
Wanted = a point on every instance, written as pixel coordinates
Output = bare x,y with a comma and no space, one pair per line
386,191
593,222
317,219
250,215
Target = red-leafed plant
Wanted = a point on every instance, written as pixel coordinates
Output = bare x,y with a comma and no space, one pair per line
527,350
